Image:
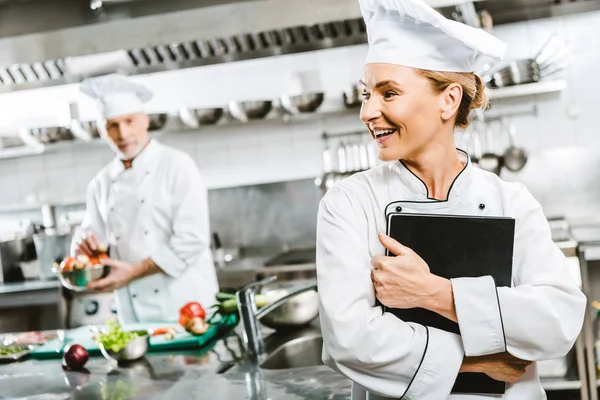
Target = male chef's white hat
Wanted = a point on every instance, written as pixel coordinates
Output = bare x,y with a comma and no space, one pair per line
412,34
116,95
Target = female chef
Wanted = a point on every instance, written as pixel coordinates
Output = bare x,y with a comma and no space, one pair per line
419,86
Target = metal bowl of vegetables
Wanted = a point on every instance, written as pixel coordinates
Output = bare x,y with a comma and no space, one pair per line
120,345
76,273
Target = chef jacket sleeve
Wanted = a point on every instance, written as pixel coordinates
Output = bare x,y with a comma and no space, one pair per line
541,316
190,221
376,350
92,220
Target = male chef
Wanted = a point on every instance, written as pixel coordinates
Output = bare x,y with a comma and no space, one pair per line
149,207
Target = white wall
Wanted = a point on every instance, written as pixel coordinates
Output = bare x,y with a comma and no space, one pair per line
270,152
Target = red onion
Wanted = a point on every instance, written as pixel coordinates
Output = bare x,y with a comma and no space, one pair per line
75,357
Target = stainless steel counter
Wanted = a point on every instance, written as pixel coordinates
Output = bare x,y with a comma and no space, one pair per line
181,376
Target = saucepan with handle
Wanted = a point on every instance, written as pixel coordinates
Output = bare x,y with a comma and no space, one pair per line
515,157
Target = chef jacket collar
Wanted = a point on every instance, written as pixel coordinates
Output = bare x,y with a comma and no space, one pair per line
418,187
146,160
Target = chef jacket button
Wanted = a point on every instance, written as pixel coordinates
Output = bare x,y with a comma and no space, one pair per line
143,201
134,295
118,238
399,209
155,290
112,209
481,206
145,232
147,172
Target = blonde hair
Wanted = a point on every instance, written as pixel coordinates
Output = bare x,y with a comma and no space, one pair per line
474,91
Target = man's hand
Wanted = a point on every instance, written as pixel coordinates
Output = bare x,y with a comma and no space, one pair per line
501,367
88,244
122,273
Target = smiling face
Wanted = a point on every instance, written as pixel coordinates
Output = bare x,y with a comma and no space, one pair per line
404,114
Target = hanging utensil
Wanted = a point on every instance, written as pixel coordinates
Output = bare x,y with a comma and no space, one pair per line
327,162
547,50
356,157
364,156
350,164
341,156
476,155
372,154
490,160
515,157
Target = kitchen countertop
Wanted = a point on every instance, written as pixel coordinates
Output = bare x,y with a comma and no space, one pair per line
178,376
28,286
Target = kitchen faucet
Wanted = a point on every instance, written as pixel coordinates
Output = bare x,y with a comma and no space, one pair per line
249,315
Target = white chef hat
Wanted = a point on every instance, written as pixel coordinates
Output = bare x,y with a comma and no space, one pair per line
412,34
116,95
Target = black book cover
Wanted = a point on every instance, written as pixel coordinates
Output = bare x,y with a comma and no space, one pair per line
454,247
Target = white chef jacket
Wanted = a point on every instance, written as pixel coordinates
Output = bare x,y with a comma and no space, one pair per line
158,208
538,318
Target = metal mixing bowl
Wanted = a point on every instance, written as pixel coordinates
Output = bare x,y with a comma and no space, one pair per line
134,350
249,110
296,312
78,279
304,103
208,116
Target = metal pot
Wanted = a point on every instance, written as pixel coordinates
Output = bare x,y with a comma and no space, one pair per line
296,312
517,72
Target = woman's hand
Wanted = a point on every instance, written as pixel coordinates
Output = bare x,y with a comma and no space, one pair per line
404,281
400,281
501,367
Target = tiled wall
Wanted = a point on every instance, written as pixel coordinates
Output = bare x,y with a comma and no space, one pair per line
276,151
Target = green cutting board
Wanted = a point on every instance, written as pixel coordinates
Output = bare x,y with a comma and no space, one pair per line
182,340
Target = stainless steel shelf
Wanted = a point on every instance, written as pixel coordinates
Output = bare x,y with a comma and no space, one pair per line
529,89
560,384
447,3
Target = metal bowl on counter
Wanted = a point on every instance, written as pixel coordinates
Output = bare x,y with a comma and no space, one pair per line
302,103
134,350
78,279
247,110
296,312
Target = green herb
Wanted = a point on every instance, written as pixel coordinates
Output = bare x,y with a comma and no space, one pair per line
116,339
10,350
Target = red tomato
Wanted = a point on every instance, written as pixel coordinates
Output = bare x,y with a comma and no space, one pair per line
67,264
191,310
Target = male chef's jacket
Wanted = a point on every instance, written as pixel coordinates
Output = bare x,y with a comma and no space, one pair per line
538,318
157,208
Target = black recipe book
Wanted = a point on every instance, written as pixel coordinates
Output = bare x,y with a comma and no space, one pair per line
456,247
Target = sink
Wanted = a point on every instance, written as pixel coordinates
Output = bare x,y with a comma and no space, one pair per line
293,257
297,353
